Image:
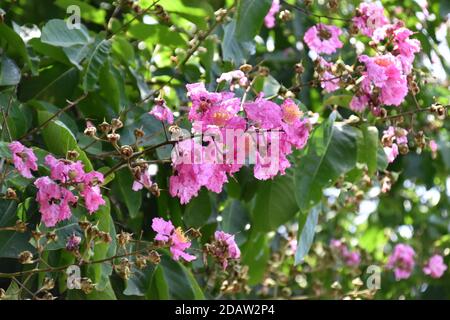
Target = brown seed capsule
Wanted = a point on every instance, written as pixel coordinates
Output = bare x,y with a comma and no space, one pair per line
139,133
90,131
105,237
26,257
383,113
84,225
72,155
123,269
116,124
195,233
105,127
154,257
154,189
299,68
36,235
403,148
126,151
141,261
123,238
51,236
49,284
10,194
113,137
21,226
441,112
86,285
246,68
285,15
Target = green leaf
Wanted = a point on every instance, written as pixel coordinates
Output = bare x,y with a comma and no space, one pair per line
14,47
306,229
234,218
255,254
250,16
100,272
122,186
175,281
198,210
59,139
342,100
56,33
9,72
234,50
11,243
95,62
368,148
332,151
275,203
88,12
140,281
156,34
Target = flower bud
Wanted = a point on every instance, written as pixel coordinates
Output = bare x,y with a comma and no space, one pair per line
139,133
84,225
11,194
86,285
116,124
113,137
246,68
154,257
51,236
26,257
299,69
90,131
126,151
123,238
105,127
20,226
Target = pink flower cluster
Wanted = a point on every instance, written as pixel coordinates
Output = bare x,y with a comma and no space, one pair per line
55,193
350,258
174,237
392,139
23,158
162,112
269,19
402,261
323,38
265,136
226,248
384,81
435,266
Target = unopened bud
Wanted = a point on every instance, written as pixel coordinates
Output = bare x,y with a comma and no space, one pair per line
11,194
116,124
26,257
72,155
105,127
126,151
154,257
139,133
113,137
90,131
246,68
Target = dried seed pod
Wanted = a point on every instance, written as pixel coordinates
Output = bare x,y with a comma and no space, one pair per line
105,127
113,137
139,133
126,151
26,257
10,194
90,131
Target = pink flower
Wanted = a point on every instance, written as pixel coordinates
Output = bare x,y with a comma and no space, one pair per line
65,170
54,201
234,77
269,20
323,38
73,242
402,261
359,103
226,248
433,146
166,232
369,18
263,113
329,82
211,108
91,191
144,181
391,152
350,258
435,267
385,72
406,48
161,112
23,158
